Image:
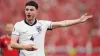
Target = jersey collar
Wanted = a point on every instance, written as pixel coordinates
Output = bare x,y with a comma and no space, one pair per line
29,24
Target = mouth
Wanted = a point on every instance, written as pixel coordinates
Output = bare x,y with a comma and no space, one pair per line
28,16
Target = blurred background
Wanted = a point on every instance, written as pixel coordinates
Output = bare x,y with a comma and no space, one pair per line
78,40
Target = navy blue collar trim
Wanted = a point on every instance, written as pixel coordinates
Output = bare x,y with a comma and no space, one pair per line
29,24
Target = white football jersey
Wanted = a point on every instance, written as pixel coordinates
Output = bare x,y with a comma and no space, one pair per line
32,34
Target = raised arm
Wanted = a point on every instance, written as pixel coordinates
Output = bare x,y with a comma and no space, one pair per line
67,23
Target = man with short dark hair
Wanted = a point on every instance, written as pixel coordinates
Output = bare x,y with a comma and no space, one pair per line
31,32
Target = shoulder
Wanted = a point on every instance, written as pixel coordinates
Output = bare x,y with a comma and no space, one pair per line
46,23
18,24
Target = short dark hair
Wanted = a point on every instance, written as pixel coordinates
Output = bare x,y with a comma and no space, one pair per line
32,3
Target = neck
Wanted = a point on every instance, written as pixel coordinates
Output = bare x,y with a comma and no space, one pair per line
31,21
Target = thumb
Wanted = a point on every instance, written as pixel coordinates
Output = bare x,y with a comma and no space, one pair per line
85,14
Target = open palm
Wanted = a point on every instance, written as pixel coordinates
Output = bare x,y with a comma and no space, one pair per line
85,17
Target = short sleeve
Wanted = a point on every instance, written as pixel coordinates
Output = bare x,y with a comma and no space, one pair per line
16,29
49,25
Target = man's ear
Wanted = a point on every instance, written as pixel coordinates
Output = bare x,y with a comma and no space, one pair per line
36,12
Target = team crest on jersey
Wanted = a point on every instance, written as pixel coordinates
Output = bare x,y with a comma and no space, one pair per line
39,28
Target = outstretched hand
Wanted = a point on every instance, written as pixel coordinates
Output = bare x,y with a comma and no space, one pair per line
84,17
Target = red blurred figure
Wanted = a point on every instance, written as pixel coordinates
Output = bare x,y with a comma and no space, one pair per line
6,50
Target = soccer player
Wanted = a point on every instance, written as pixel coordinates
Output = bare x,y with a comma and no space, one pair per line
5,42
31,32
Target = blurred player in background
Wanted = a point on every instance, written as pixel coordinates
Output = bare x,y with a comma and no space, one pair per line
31,32
6,49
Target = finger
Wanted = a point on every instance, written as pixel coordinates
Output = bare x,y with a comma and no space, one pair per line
34,47
90,16
85,14
30,49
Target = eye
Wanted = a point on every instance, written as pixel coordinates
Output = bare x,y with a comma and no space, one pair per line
31,10
27,9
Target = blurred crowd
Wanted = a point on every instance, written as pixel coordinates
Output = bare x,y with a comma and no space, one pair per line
78,40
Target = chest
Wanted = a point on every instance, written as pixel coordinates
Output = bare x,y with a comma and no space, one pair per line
31,30
36,32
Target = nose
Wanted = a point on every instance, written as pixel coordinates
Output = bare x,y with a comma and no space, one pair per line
28,12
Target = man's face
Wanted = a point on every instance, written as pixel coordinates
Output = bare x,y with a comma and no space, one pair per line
9,28
30,12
